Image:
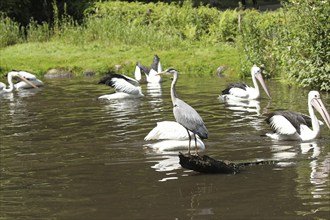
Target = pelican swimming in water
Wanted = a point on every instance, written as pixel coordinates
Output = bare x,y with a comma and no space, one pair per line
28,81
186,115
289,125
243,91
125,87
173,136
151,73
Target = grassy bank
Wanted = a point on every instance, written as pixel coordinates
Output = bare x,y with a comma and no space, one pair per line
120,33
39,57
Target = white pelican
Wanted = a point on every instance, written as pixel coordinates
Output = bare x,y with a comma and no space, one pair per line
186,115
2,86
297,126
28,81
125,87
243,91
151,73
173,136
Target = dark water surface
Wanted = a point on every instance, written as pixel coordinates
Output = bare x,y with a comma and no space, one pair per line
67,155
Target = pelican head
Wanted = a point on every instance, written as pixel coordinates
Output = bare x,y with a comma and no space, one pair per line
257,74
314,99
22,76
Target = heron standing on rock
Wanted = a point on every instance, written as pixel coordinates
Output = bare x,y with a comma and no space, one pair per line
186,115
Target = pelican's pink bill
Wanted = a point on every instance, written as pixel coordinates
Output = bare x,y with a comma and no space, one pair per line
27,81
263,84
319,106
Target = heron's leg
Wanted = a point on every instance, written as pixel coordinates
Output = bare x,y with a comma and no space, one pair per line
189,141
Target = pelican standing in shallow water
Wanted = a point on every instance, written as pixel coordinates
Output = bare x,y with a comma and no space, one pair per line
185,115
243,91
125,87
289,125
151,73
28,81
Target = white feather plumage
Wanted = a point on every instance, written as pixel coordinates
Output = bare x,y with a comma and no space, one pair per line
173,137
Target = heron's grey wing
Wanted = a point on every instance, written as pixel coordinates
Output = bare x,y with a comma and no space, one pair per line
189,118
122,85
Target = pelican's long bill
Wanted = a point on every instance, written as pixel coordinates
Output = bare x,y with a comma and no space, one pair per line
262,82
27,81
319,106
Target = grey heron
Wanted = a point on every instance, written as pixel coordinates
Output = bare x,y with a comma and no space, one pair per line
28,81
125,87
289,125
150,73
242,91
186,115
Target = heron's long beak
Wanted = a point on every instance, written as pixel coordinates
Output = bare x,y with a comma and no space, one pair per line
263,84
27,81
319,106
160,73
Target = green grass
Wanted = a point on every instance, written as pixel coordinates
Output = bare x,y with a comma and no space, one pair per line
39,57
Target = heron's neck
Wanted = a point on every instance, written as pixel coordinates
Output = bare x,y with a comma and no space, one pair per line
173,89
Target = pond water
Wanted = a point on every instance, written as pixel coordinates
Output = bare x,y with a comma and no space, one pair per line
67,155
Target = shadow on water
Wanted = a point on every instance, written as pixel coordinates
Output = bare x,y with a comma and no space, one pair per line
67,155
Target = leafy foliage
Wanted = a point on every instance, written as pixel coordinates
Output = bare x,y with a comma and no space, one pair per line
287,43
181,23
10,31
308,43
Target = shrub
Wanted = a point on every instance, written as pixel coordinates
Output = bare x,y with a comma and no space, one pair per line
307,56
289,44
38,33
10,31
260,33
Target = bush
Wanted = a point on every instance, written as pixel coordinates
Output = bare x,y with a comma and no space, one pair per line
289,44
38,33
163,25
260,33
307,56
10,32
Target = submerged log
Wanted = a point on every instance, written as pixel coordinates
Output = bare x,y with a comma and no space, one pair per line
206,164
